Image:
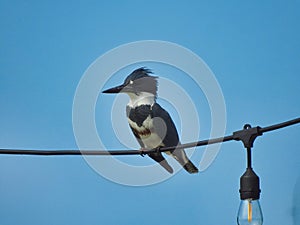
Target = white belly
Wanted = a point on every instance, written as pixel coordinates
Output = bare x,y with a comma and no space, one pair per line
150,140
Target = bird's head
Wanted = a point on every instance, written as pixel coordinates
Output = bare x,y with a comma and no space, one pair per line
139,81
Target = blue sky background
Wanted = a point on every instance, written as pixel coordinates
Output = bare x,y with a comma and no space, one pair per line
253,48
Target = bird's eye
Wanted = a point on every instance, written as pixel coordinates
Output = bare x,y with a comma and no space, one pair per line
131,82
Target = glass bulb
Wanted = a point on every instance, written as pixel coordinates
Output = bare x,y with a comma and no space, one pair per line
250,213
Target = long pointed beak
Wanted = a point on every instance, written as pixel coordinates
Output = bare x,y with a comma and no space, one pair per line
114,90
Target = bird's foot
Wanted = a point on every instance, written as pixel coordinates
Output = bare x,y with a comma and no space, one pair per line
142,151
158,149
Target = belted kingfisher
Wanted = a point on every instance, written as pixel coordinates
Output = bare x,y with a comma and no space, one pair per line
150,123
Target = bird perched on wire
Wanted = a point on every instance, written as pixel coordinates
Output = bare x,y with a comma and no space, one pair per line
150,123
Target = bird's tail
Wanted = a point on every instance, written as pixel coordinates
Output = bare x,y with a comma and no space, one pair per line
190,167
180,156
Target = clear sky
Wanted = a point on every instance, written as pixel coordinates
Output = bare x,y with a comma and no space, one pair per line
253,48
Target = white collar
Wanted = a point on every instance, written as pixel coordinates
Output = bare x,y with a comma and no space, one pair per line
142,98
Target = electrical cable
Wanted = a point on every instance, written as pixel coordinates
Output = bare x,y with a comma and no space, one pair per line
143,151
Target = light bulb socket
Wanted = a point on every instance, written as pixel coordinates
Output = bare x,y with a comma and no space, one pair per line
249,185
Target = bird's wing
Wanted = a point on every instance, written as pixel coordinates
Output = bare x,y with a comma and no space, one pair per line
170,137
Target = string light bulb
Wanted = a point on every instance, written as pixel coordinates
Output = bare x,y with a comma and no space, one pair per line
249,211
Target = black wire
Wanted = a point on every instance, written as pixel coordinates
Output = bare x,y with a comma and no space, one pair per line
140,152
112,152
249,158
280,125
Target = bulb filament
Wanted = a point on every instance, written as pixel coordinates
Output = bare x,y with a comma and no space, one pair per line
249,211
